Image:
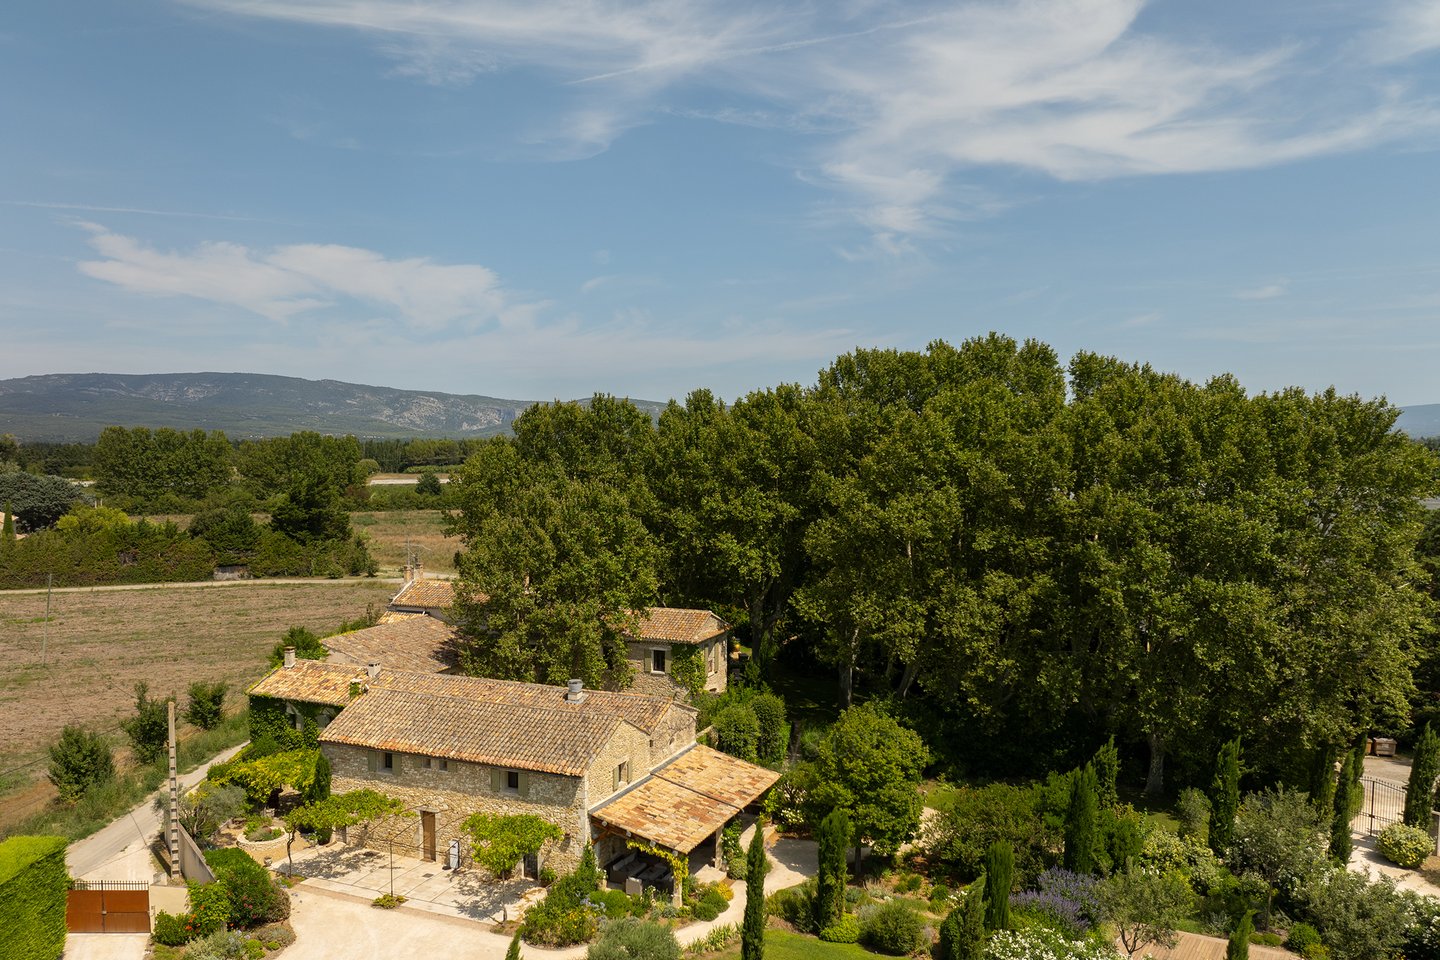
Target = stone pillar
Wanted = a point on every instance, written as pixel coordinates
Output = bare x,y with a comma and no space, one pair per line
719,849
173,834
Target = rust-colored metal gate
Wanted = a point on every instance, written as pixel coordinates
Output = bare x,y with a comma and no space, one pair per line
108,906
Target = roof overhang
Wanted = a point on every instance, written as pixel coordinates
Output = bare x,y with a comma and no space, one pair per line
687,800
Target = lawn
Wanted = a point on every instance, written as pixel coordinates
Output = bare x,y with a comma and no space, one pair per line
784,945
99,643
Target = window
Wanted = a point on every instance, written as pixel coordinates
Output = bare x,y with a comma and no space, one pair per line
387,762
622,774
657,660
444,764
512,780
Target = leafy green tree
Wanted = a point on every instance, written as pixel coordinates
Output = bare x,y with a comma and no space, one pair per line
752,928
1346,805
1106,764
501,842
870,766
310,511
1146,908
307,646
274,464
37,501
231,532
999,873
834,844
206,707
552,573
429,484
1082,823
320,783
338,811
204,809
79,760
1279,837
1424,771
144,465
149,728
1225,797
1322,777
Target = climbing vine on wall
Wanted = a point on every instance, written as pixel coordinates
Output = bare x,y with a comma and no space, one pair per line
687,667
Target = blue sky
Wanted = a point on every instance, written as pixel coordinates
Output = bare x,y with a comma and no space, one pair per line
548,199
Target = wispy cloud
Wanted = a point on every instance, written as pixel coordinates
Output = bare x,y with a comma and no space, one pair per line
288,281
1267,292
92,208
898,110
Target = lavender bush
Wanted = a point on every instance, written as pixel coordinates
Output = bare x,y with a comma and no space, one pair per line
1069,898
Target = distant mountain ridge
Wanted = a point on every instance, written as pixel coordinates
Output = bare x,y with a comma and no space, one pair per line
77,406
1421,420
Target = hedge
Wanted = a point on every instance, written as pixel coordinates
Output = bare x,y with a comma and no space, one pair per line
34,886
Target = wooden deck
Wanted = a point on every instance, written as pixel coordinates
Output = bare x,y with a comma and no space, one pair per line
1194,946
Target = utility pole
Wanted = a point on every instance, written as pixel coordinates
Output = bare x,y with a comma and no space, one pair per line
174,831
45,630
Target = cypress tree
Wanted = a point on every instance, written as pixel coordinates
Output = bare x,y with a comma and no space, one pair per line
1106,763
948,945
752,928
970,933
1322,778
320,785
1238,947
834,843
999,873
1225,797
1081,822
1340,841
1420,792
513,953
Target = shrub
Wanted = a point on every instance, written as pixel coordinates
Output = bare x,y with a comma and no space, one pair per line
207,705
79,760
218,945
276,933
1042,943
388,901
1357,919
1070,899
566,916
737,732
33,889
253,896
1277,834
794,905
844,930
734,853
149,729
895,928
1192,809
1405,846
171,930
717,939
976,817
711,904
209,907
614,903
632,939
774,739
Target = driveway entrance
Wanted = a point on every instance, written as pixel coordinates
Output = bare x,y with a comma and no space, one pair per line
108,906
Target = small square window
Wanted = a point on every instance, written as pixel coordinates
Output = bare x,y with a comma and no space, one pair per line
657,661
512,780
428,763
444,764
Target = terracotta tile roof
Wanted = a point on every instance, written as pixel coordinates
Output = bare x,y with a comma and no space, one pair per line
688,799
667,814
464,728
392,616
418,643
425,594
310,681
718,775
644,712
680,626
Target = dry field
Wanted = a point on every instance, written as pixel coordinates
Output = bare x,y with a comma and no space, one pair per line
101,642
390,531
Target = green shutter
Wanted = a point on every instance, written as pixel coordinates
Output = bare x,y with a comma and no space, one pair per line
497,780
370,760
524,784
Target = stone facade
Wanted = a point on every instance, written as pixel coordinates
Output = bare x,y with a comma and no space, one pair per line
649,681
453,794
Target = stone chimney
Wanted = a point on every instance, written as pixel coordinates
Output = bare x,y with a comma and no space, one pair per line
419,569
575,692
289,658
373,670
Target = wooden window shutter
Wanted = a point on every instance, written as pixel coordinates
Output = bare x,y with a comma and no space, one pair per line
497,780
370,760
524,784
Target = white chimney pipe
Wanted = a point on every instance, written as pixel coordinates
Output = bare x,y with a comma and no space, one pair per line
576,691
373,669
289,658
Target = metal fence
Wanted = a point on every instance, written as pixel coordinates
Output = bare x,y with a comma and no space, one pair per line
1384,804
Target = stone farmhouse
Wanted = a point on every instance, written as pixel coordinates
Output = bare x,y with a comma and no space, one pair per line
606,768
669,639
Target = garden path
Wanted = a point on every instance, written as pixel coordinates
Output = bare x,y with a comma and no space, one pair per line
1194,946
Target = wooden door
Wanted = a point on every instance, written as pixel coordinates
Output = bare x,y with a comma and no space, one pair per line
427,834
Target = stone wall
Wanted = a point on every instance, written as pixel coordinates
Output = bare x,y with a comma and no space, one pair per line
630,744
637,654
454,794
